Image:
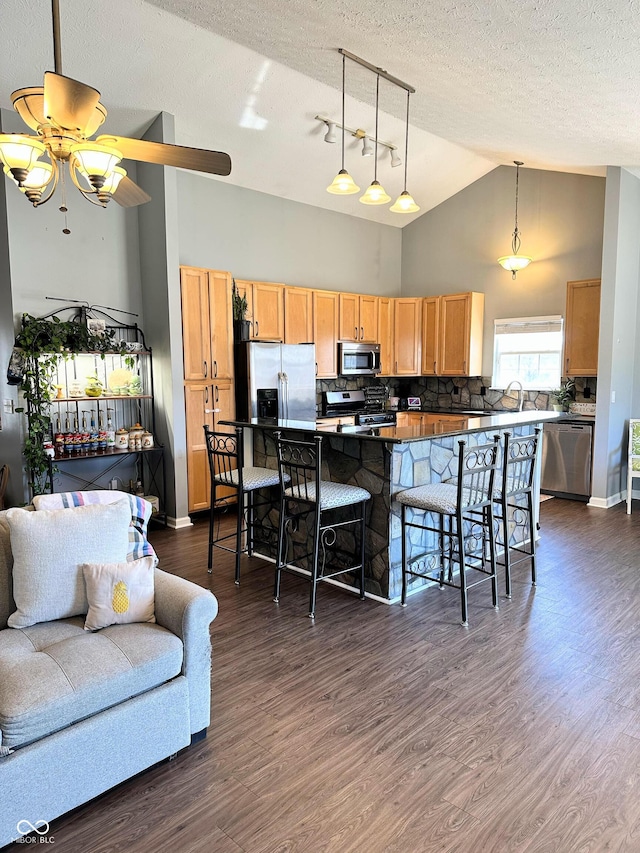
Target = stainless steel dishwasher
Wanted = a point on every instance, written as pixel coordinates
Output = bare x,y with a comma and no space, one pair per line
566,460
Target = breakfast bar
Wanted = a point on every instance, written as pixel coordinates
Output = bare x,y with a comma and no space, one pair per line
384,461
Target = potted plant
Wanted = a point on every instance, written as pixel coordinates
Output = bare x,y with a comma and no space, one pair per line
241,326
564,395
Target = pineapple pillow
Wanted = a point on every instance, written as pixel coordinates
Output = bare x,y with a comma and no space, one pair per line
119,593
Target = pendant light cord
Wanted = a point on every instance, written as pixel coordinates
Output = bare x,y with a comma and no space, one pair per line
406,143
515,245
375,165
343,85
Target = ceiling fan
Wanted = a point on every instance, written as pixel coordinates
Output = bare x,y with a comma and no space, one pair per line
65,113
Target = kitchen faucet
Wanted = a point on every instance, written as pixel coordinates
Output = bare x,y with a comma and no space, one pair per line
520,392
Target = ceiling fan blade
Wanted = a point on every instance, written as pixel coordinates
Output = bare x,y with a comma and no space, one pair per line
68,103
198,159
129,194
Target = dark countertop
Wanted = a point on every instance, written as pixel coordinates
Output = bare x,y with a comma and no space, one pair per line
418,432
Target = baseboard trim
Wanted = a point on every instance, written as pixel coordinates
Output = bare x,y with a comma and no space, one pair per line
606,503
179,523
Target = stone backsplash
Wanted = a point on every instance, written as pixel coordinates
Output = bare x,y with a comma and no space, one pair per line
455,392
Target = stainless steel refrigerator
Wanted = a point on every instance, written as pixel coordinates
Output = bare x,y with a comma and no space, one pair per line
275,380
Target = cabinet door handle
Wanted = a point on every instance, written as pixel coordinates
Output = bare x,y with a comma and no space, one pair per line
217,395
215,369
567,366
257,328
361,333
355,333
206,368
206,396
316,368
434,368
396,367
464,366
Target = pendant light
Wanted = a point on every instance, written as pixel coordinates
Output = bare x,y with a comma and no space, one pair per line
405,203
375,193
343,183
515,262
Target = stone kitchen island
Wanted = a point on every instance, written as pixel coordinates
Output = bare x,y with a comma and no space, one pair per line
384,461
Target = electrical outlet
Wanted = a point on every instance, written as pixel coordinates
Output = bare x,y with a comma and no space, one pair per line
587,392
483,390
113,484
7,406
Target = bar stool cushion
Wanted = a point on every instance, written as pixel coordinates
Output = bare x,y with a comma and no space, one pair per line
252,478
436,497
332,494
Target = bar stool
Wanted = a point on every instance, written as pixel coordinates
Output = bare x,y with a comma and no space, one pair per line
304,496
225,452
465,524
514,501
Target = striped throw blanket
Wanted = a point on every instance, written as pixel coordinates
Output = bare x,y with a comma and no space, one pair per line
139,546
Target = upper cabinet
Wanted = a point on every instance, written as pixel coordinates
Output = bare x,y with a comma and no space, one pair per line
582,327
461,320
298,315
407,344
430,335
385,335
325,332
358,317
206,324
265,302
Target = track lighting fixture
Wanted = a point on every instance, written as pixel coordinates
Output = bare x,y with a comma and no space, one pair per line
330,135
343,183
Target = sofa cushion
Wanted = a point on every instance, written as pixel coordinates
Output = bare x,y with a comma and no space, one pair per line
139,546
119,593
56,673
48,549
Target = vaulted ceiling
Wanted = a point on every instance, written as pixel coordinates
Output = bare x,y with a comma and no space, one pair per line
554,83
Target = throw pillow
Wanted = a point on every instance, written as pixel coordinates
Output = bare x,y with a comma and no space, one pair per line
49,548
139,546
119,593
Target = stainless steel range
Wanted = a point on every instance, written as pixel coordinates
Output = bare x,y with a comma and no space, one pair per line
368,408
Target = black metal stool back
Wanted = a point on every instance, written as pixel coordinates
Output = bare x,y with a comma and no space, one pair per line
305,499
515,500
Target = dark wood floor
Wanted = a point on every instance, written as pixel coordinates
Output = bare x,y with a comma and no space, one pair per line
379,728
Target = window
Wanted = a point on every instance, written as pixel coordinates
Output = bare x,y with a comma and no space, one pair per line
528,349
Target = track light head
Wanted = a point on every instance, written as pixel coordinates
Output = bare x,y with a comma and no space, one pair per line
330,135
367,147
395,157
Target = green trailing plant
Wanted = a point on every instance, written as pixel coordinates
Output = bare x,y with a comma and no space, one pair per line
43,342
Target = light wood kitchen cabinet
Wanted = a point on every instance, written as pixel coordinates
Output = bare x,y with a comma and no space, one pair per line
265,301
385,335
345,420
460,338
407,344
358,317
207,333
197,396
298,315
430,335
325,332
582,327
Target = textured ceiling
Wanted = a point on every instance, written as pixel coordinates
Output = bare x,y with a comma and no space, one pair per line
554,83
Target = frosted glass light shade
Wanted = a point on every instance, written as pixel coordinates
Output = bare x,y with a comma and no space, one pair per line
20,153
95,160
375,194
111,183
343,184
404,204
514,263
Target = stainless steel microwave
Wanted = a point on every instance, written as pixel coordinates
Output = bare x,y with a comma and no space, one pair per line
358,359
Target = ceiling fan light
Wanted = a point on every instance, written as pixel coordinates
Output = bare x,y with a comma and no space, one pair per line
111,183
404,204
20,154
375,194
94,160
343,184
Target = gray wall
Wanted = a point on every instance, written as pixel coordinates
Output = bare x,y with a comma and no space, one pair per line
265,238
454,247
618,351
